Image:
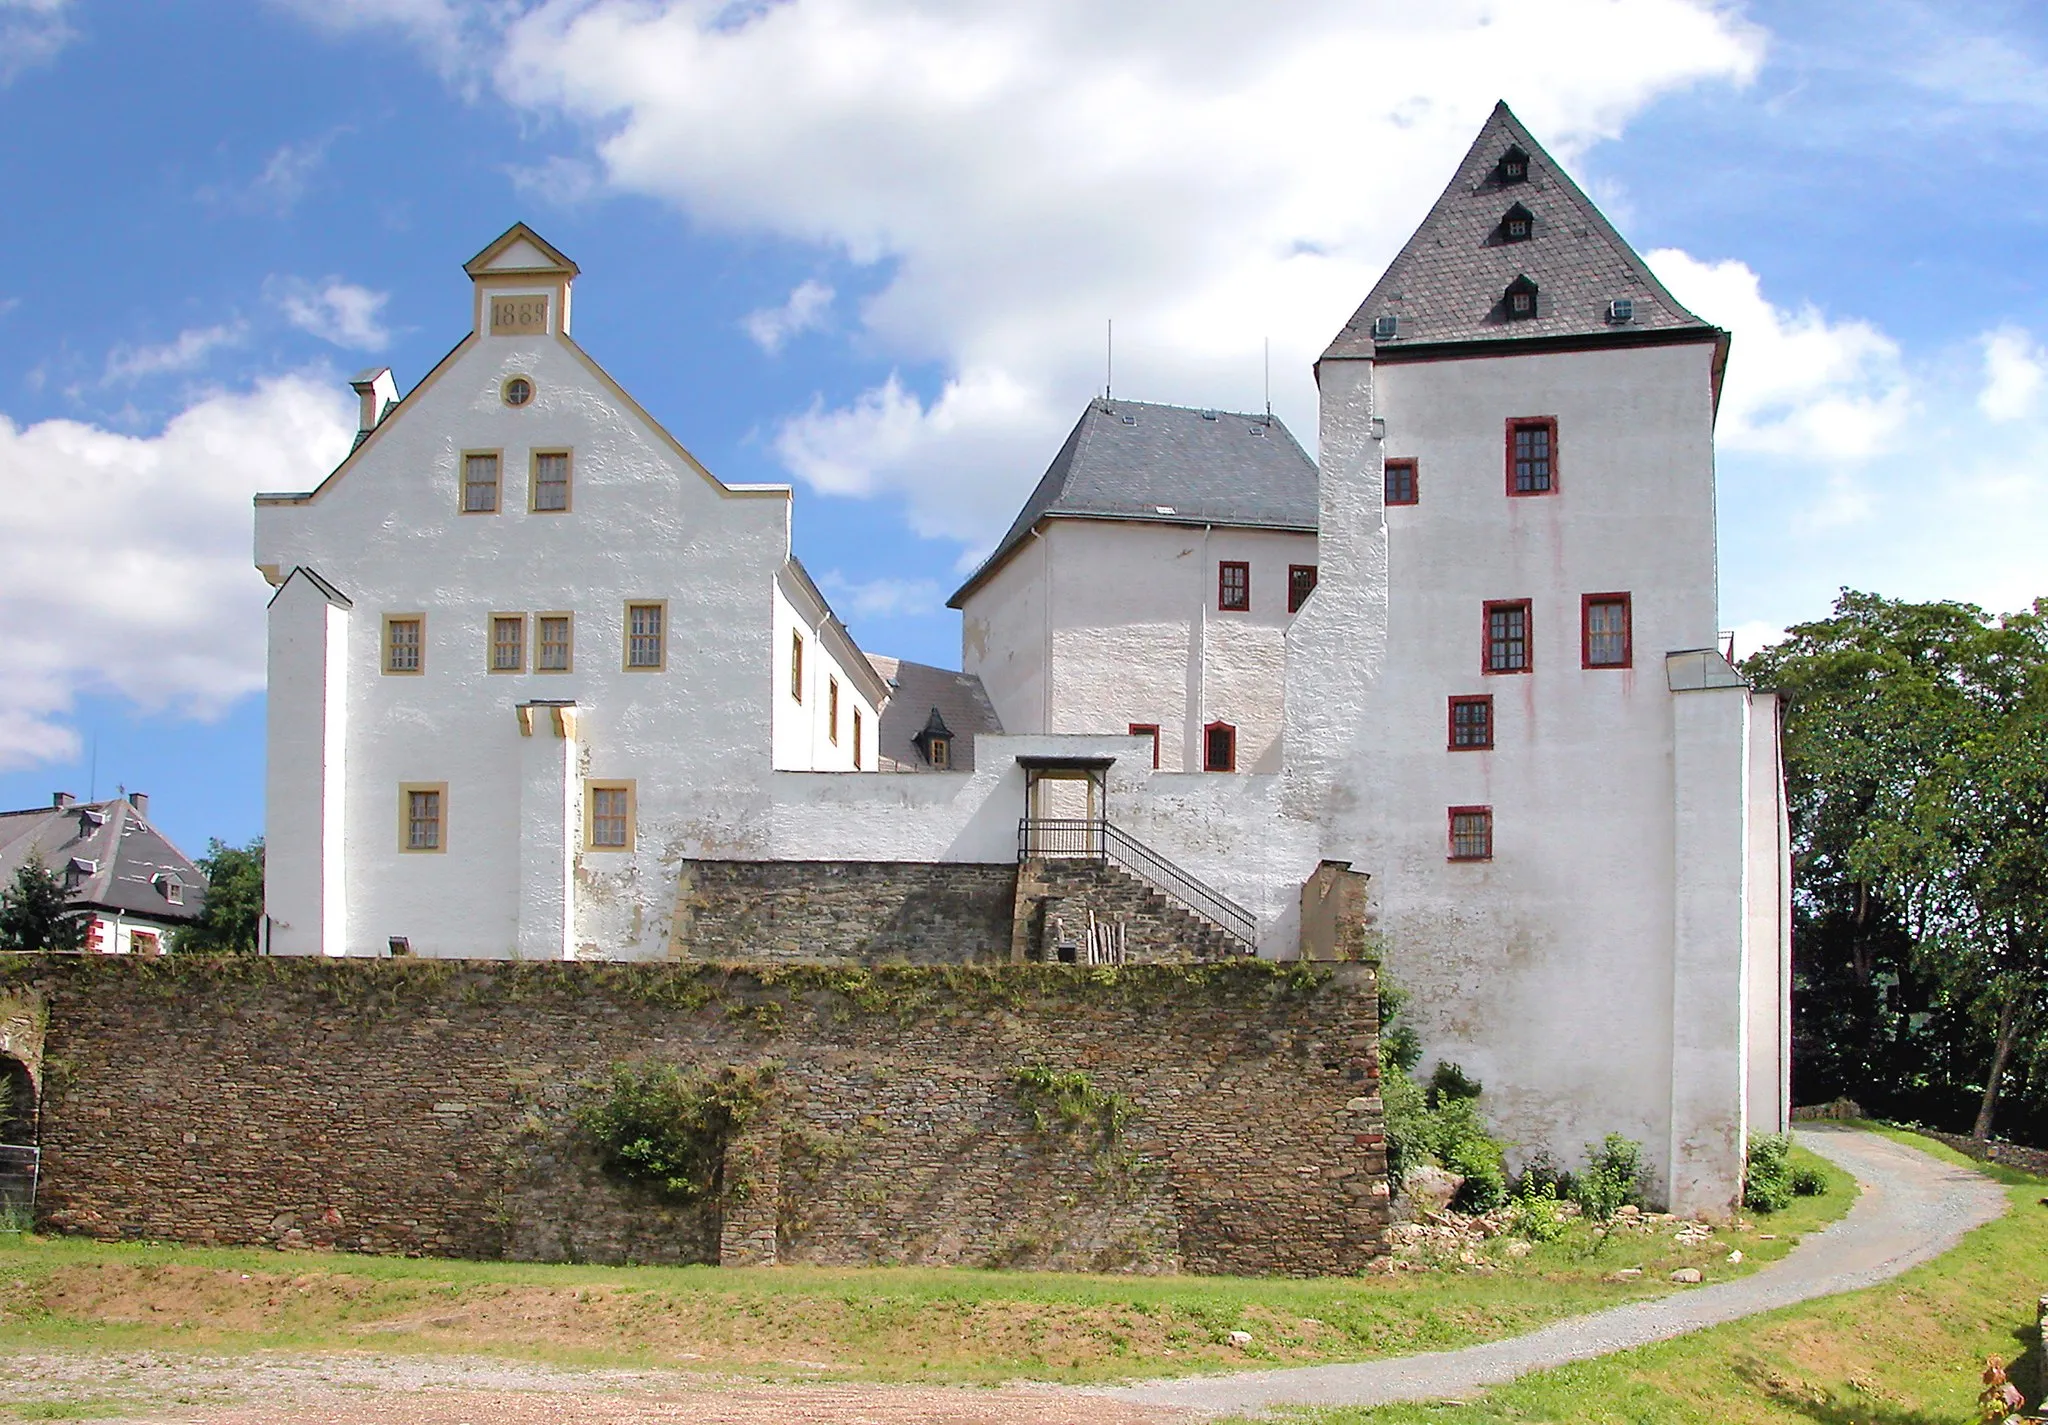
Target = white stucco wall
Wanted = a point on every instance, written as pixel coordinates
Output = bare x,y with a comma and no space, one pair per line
1769,946
804,740
305,791
1099,624
646,523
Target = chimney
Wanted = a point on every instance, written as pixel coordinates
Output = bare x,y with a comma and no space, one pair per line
140,801
374,390
62,799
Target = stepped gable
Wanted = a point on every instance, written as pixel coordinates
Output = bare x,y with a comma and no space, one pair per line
1133,460
1450,283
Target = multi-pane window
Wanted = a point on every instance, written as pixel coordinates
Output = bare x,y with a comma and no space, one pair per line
832,710
423,813
1219,747
856,739
550,481
1233,584
644,635
1301,582
1471,833
1532,457
796,665
1606,632
508,643
1471,724
553,643
611,816
1402,487
1149,730
480,483
1507,638
405,644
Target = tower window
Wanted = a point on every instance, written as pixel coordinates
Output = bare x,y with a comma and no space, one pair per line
1507,637
1219,747
1402,488
1605,633
1532,456
1471,833
1471,724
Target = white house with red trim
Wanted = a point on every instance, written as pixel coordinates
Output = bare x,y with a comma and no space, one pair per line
138,889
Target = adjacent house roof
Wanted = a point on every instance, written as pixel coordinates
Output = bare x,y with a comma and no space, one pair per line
1449,284
1131,460
109,855
916,691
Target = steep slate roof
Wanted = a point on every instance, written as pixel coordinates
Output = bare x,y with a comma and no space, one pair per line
1172,465
126,853
1448,284
915,689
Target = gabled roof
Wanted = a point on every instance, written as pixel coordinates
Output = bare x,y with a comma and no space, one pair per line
1132,460
519,251
917,693
1447,284
116,860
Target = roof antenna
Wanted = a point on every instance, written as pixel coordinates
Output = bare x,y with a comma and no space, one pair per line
1109,360
1269,379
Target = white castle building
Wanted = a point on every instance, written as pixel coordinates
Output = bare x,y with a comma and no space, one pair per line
530,661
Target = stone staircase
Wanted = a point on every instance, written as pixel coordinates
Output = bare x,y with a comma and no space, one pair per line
1059,889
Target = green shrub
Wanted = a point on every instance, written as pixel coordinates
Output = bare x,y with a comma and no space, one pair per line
1613,1178
1809,1182
1542,1174
1438,1123
1448,1084
1533,1213
1067,1101
1767,1173
668,1127
1462,1144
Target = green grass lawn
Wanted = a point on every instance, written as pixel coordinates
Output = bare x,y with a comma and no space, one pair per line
889,1324
1909,1352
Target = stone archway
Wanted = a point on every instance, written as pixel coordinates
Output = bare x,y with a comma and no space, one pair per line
17,1102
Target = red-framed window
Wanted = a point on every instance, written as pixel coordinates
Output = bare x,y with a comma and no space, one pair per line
1471,723
1471,831
1151,730
1234,585
1404,482
1507,647
1606,631
1219,747
1532,455
1301,582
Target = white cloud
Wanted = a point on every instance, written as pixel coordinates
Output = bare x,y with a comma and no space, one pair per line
187,352
558,181
333,310
2014,372
881,598
1798,383
31,33
124,561
805,311
1018,173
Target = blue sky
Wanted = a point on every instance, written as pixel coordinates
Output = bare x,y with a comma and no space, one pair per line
867,246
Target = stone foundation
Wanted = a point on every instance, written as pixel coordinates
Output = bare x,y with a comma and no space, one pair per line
791,911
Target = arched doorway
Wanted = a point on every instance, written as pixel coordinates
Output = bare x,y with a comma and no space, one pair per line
19,1160
17,1102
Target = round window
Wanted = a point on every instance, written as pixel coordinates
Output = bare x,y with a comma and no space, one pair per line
518,391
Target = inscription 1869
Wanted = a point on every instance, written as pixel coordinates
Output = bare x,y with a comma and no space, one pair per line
519,316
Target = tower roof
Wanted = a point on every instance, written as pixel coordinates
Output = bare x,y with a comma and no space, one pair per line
1451,282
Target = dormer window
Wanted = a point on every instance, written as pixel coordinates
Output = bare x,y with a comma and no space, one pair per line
1513,166
1519,302
1517,225
935,741
172,888
1385,328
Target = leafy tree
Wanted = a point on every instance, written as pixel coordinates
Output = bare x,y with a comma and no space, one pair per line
233,910
36,912
1918,777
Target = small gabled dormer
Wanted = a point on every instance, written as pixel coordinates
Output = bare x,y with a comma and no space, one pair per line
1513,166
522,285
1518,303
935,741
1517,224
171,887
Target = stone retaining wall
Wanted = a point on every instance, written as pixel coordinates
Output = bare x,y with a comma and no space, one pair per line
789,911
429,1107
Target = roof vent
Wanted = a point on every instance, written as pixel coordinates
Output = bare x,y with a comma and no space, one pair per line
1208,415
1130,420
1621,309
1164,510
1256,430
1385,327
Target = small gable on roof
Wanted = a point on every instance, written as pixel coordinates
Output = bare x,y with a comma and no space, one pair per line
927,702
519,251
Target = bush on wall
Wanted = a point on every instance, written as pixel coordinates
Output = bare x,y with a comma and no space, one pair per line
668,1127
1437,1123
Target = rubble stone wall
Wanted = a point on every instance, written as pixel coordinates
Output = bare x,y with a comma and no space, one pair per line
430,1107
788,911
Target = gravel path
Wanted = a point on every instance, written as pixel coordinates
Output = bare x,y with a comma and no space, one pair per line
1912,1208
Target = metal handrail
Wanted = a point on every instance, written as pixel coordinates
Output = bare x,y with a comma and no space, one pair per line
1095,839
